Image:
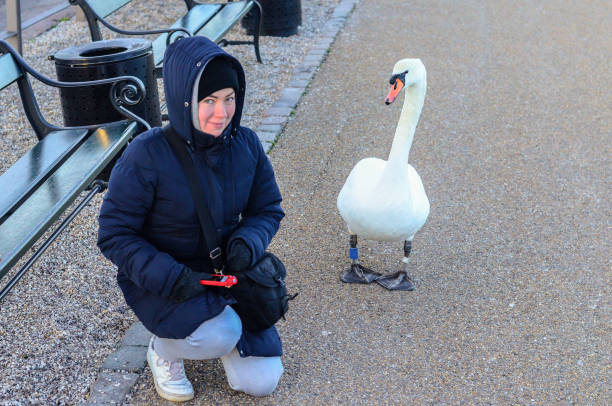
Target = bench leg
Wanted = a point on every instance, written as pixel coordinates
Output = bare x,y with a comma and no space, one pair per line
158,71
257,29
257,20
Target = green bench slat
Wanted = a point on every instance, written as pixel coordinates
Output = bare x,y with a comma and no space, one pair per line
35,166
221,23
10,71
106,7
192,21
59,190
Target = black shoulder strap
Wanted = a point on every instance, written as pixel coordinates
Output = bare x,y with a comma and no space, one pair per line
206,221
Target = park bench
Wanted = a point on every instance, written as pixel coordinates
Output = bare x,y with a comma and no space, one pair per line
211,20
37,189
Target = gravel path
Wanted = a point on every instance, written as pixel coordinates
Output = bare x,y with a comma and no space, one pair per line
66,315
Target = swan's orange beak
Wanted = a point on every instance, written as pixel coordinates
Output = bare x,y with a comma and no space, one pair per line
395,89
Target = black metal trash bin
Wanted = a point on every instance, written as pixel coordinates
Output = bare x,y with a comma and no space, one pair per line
280,18
101,60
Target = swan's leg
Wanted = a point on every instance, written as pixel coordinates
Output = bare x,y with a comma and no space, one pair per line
399,280
357,273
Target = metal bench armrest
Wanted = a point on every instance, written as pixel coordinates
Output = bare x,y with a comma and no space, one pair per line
91,13
125,91
170,31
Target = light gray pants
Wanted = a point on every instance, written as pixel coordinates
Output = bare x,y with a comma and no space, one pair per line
217,338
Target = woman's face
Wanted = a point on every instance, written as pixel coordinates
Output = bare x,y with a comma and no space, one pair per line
216,111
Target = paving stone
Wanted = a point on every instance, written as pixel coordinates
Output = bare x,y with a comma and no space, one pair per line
274,120
290,96
332,26
299,83
323,44
128,358
304,75
319,48
279,111
271,128
111,387
267,136
343,9
313,59
304,69
136,335
326,40
316,52
311,64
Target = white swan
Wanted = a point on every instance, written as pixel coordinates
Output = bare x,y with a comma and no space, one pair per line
385,200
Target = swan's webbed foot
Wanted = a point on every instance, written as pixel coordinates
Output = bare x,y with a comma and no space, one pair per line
359,274
396,281
399,280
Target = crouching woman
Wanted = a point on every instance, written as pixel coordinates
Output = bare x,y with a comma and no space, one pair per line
149,226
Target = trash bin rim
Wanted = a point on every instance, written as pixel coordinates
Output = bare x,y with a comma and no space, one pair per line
133,48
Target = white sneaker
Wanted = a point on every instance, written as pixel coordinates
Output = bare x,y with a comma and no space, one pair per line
169,377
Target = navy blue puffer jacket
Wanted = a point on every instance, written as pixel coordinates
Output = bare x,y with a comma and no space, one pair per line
148,222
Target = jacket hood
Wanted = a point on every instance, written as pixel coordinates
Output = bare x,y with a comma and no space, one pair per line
184,60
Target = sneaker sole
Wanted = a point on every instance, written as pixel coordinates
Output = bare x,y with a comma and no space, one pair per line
174,398
166,395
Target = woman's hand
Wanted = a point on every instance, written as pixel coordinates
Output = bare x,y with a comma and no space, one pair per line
188,285
238,256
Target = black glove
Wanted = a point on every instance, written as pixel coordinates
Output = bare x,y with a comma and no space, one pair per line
187,285
238,256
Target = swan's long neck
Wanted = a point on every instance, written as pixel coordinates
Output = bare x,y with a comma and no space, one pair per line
404,133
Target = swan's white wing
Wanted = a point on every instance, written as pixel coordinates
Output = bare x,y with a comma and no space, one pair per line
362,180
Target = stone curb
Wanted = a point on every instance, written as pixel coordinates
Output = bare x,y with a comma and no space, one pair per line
277,116
121,369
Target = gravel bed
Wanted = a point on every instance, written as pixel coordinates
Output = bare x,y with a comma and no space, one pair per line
66,315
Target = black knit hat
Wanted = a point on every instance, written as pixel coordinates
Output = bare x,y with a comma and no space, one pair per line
218,74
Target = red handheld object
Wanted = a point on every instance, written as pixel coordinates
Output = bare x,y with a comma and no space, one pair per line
226,281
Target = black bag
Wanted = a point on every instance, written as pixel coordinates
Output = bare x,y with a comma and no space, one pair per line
260,292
